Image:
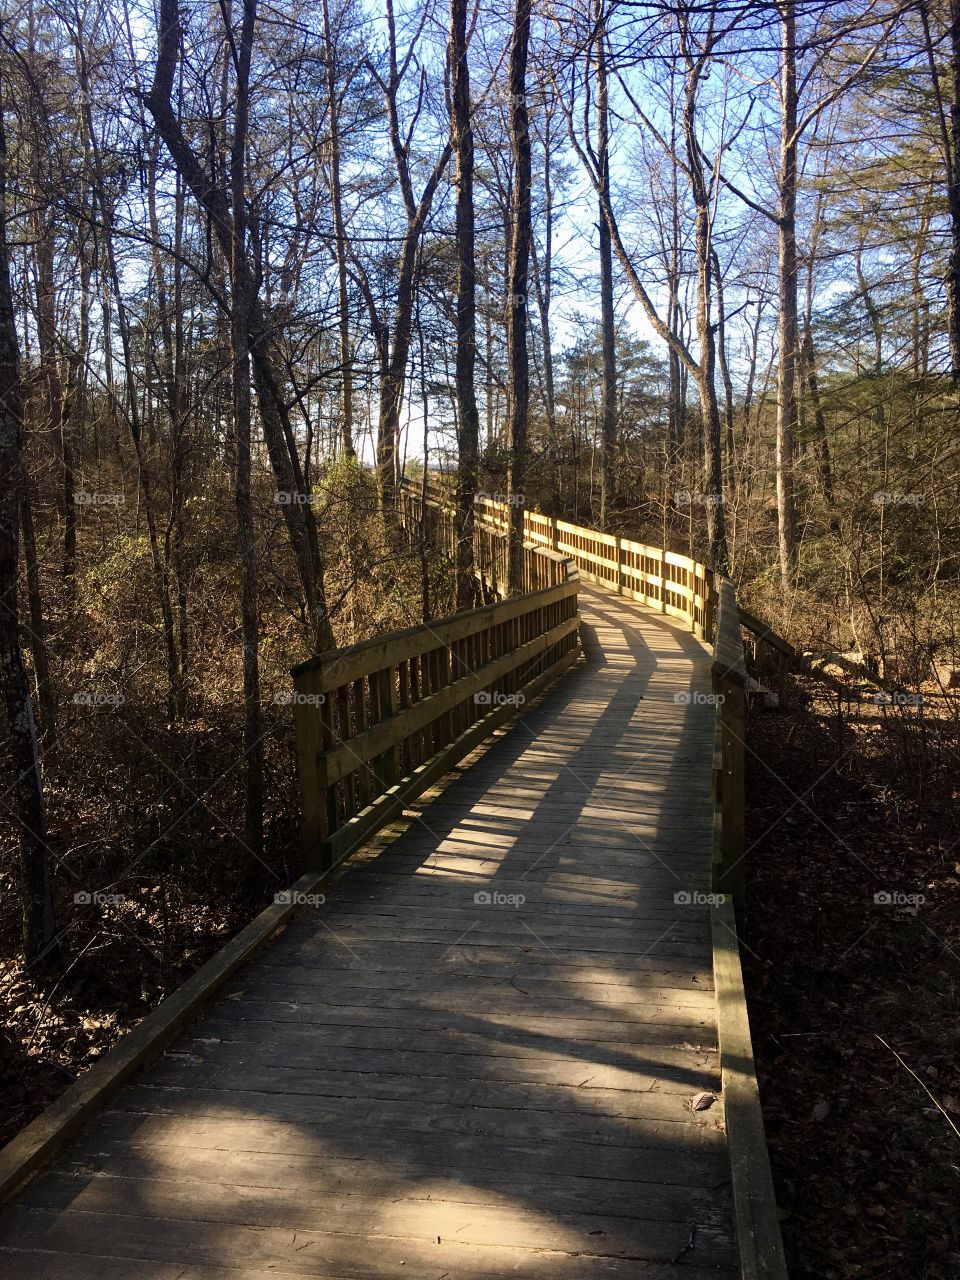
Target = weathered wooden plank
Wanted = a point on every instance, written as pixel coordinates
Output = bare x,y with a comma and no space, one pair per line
348,1046
375,1175
459,1080
143,1247
340,1223
534,1114
505,1024
700,1160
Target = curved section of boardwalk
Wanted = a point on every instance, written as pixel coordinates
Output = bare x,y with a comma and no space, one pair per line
475,1059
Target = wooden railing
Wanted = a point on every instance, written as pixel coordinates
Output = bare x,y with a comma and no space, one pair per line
768,656
542,565
383,720
380,722
675,584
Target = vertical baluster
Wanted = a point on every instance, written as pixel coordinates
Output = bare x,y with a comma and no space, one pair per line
403,670
350,781
361,722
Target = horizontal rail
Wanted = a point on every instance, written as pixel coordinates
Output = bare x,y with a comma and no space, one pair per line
772,657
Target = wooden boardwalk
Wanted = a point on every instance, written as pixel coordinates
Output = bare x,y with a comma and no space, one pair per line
428,1076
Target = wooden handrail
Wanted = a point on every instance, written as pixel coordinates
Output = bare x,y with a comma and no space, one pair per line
675,584
380,722
773,657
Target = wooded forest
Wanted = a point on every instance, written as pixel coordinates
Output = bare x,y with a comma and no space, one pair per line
685,273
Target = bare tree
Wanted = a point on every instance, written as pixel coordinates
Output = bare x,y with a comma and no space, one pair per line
468,417
212,197
416,211
240,322
340,233
608,391
39,925
947,98
518,265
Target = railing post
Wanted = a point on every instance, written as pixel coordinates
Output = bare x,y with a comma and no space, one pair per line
783,673
618,555
733,788
312,719
729,687
663,579
709,606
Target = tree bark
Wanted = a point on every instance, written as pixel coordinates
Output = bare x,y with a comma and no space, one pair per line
808,369
468,417
608,393
787,280
417,211
953,196
242,301
705,372
39,924
518,271
46,698
339,228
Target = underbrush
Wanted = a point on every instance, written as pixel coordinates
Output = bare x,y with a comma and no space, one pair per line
852,961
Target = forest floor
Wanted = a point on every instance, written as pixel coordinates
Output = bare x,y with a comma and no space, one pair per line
155,915
52,1032
852,963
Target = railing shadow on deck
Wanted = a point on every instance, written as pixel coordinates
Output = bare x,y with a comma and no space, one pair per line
706,601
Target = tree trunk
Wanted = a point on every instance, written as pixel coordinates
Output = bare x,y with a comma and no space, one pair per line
417,212
787,281
239,333
608,394
953,196
705,372
56,418
542,272
518,267
336,200
468,417
729,437
38,627
39,926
